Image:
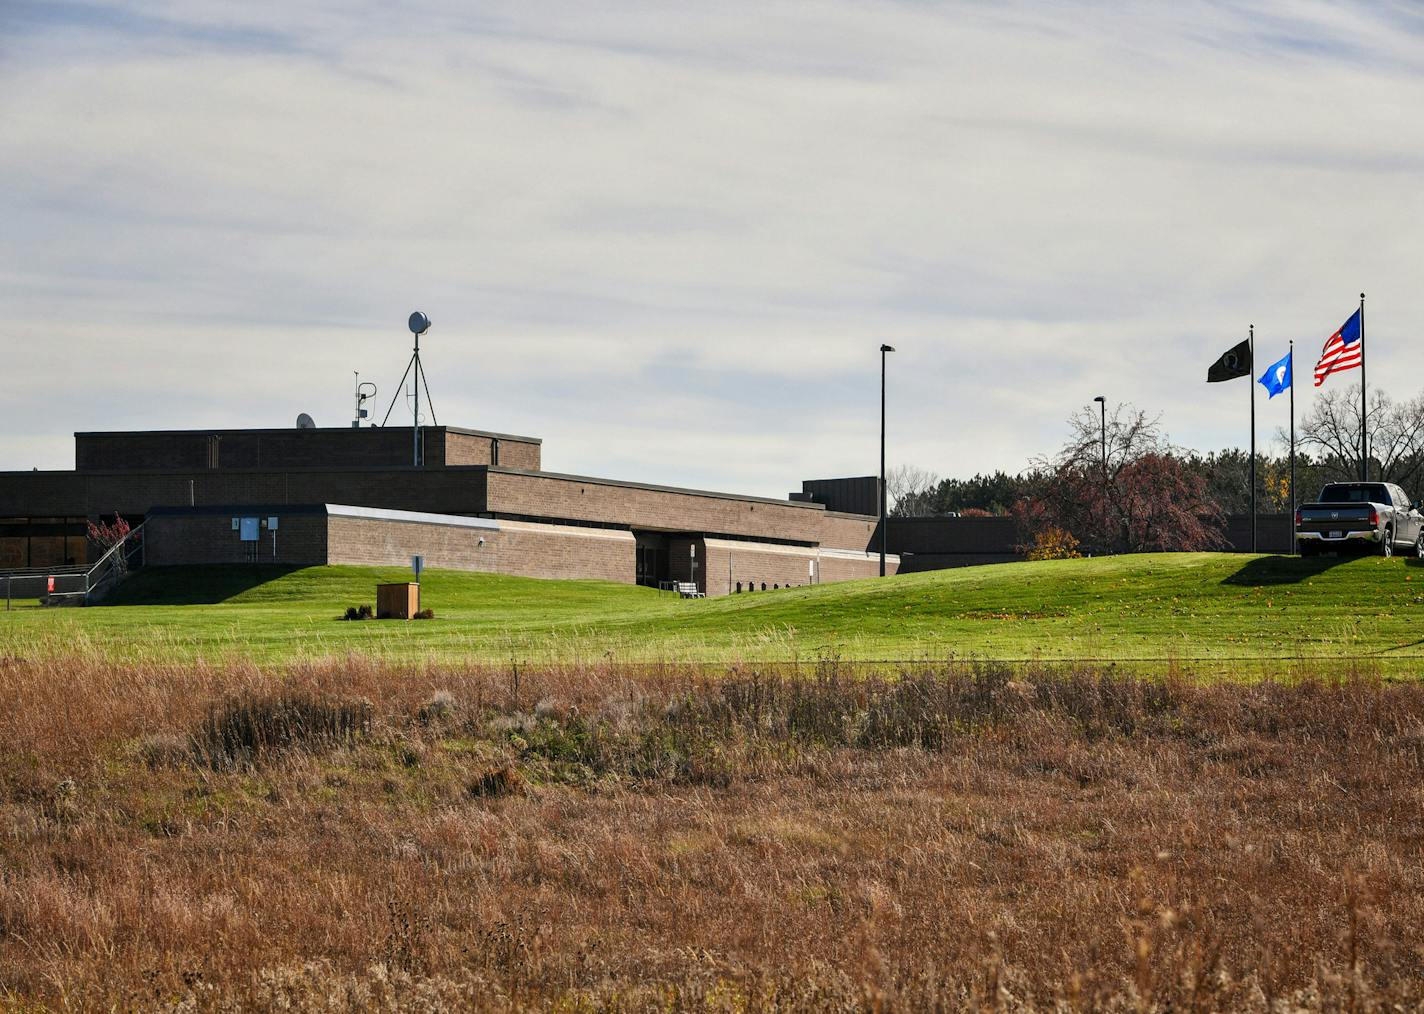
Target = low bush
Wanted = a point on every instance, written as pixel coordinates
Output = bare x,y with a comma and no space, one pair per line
359,613
425,614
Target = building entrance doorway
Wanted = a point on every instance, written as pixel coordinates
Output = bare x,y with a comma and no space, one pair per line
652,556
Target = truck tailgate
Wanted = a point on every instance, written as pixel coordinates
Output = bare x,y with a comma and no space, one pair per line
1331,518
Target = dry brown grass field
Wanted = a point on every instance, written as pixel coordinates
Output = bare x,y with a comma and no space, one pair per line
361,836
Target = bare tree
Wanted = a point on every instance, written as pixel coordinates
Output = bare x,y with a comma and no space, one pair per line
1139,496
910,490
1332,431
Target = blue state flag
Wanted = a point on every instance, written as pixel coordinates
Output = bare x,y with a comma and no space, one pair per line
1277,377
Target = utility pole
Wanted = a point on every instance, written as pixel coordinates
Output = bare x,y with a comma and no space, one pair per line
884,523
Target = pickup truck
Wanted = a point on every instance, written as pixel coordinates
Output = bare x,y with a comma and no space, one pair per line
1378,517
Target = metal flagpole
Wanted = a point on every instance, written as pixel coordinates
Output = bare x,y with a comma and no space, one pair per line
1293,500
1364,407
1251,376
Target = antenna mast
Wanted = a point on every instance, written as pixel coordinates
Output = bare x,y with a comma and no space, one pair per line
419,323
364,393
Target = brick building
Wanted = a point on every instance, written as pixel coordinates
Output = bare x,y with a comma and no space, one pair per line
478,501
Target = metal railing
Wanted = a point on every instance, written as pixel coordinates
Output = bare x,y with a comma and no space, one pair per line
86,584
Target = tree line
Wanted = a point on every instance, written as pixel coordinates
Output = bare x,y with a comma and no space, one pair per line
1124,487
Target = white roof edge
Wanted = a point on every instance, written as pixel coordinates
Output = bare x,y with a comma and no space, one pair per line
410,517
851,554
807,551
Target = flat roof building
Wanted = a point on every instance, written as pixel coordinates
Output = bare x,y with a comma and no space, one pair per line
479,501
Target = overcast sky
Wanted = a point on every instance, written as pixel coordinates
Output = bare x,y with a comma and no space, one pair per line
669,237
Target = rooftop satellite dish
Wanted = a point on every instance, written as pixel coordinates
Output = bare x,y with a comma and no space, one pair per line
305,422
419,323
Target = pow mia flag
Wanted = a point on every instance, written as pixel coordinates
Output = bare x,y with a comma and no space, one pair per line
1233,364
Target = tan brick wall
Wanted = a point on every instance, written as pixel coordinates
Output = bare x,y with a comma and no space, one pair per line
174,540
848,531
368,542
579,499
518,548
559,551
840,567
755,562
472,449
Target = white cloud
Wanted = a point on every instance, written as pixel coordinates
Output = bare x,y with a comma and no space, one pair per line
670,237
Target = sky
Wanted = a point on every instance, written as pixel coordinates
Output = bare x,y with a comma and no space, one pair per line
669,238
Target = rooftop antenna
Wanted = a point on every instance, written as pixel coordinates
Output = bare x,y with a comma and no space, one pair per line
419,323
364,393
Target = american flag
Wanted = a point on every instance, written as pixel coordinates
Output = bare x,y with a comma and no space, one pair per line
1343,350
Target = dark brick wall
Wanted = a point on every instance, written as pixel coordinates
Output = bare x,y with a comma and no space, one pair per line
956,542
443,491
276,449
860,495
951,535
388,447
176,540
1275,533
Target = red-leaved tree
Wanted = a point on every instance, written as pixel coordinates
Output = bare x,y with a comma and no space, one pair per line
106,536
1138,497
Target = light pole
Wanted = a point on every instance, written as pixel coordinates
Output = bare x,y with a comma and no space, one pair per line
1103,404
1103,431
884,349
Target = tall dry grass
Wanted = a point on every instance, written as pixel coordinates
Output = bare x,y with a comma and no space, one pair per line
359,835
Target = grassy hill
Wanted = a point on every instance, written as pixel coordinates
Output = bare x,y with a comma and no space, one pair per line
1132,608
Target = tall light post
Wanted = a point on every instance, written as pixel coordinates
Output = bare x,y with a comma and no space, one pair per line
884,350
1103,404
1103,431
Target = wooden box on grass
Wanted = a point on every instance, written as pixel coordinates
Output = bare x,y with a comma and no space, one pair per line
397,601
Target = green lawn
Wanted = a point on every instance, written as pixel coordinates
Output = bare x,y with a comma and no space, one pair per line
1134,608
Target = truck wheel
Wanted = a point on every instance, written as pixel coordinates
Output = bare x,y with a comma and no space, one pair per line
1307,549
1387,546
1419,546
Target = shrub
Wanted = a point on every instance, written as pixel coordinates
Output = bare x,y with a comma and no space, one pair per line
425,614
1053,543
358,613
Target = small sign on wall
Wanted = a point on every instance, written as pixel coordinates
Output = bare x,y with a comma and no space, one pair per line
248,530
